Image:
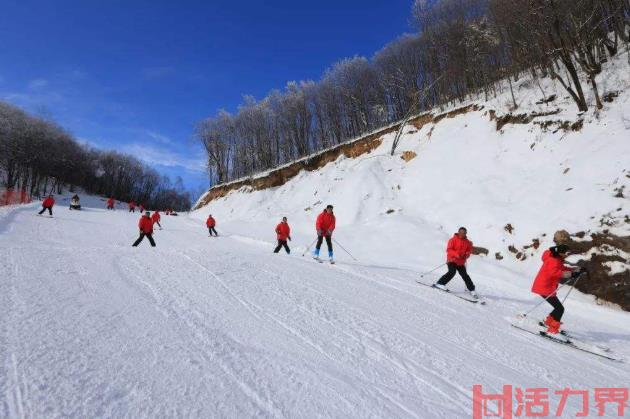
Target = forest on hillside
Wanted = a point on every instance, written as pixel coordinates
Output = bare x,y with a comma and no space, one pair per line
39,157
462,49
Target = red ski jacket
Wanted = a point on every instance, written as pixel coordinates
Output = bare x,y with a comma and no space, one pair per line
156,217
549,275
283,231
146,225
210,222
132,204
458,250
325,222
49,202
110,202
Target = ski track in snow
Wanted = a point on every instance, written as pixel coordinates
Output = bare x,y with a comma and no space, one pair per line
221,327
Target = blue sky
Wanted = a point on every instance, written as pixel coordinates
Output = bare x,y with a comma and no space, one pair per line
136,76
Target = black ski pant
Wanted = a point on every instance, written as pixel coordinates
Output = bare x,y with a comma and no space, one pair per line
149,236
452,268
281,244
44,209
320,239
109,207
132,210
212,230
158,223
558,308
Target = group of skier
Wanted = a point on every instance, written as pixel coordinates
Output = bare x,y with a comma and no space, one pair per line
458,249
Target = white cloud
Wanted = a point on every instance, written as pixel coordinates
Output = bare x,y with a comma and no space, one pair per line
37,84
161,138
162,157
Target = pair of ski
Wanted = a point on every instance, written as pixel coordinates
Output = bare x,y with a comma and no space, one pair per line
461,295
320,260
538,328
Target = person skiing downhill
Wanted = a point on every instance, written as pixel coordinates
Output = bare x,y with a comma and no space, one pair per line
110,204
210,223
156,219
132,206
47,204
146,229
546,283
458,250
325,225
283,232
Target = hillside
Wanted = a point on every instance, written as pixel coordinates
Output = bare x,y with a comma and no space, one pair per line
513,177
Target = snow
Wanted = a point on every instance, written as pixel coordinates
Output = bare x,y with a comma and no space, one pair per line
221,327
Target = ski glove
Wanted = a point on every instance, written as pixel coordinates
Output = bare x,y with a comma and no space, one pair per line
329,233
289,238
320,233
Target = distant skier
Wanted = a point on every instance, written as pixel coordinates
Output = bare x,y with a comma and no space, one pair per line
458,250
141,208
132,206
283,232
546,283
75,203
110,204
146,229
156,219
210,223
47,204
325,225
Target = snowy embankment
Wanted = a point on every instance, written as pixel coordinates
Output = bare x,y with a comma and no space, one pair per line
219,327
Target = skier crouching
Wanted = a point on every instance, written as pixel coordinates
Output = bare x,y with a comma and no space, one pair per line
325,225
546,283
458,250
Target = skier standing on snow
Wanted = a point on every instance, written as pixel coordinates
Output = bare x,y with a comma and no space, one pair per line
156,219
210,223
283,232
546,283
458,250
146,229
132,206
325,225
110,204
47,204
141,208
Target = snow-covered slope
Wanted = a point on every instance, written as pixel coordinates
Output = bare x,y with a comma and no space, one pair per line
220,327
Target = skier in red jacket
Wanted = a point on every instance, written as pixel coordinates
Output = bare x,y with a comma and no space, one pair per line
325,225
210,223
146,229
283,232
132,206
546,283
458,250
141,208
47,204
156,219
110,204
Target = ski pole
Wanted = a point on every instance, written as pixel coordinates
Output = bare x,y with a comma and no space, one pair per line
573,286
432,270
336,242
523,315
309,246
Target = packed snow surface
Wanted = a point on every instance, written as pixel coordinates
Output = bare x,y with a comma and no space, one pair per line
221,327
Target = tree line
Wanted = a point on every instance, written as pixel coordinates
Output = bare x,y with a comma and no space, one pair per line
40,157
462,49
